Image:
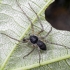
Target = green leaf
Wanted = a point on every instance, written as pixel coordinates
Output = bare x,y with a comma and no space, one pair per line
15,24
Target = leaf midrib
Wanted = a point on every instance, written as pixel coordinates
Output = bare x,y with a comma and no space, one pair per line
7,58
44,62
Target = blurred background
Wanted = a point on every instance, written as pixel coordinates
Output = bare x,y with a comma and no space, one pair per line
58,14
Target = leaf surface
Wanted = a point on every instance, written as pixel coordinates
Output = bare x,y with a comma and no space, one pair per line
15,24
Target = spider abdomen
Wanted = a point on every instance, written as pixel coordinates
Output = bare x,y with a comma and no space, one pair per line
41,45
34,40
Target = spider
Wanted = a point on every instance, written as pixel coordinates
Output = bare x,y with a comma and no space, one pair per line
34,39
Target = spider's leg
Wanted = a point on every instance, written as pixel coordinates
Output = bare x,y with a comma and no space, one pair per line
47,33
38,19
11,37
39,55
24,40
26,16
29,52
58,44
